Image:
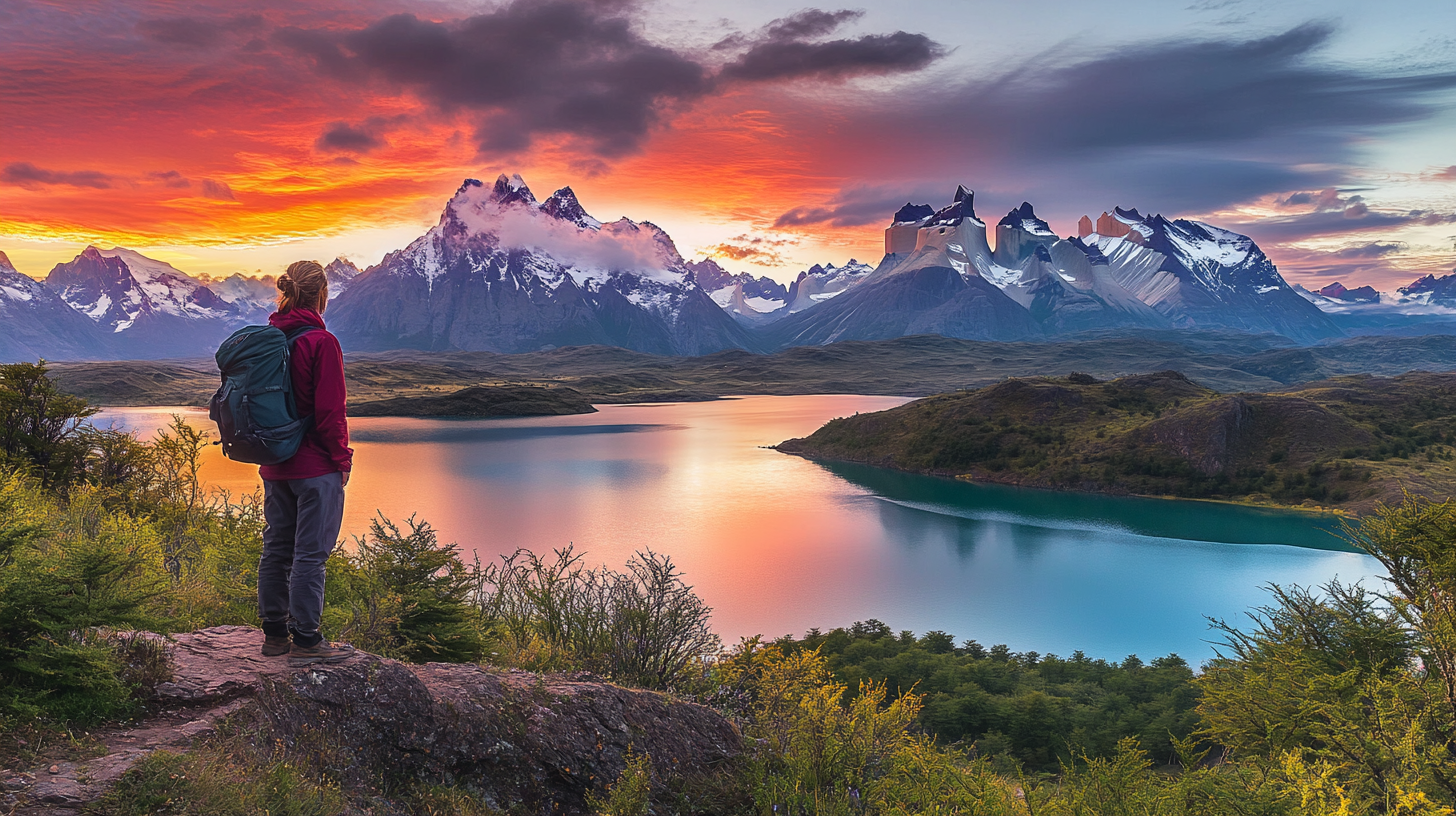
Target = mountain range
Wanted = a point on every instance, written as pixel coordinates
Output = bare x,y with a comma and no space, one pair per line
503,271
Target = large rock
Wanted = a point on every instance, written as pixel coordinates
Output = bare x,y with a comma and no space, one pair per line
520,739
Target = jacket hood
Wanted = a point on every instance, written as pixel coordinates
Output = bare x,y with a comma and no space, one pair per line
296,318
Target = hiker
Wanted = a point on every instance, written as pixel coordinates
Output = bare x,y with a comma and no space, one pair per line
303,495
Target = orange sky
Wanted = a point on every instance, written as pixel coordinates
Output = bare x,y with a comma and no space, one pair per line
199,133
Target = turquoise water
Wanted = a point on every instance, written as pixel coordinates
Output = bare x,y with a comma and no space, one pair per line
778,544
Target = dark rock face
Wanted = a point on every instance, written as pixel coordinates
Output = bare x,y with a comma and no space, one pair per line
498,273
482,401
910,213
928,300
535,743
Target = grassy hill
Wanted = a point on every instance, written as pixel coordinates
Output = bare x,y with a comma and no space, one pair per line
1346,442
909,366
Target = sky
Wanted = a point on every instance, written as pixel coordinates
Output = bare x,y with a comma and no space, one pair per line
240,135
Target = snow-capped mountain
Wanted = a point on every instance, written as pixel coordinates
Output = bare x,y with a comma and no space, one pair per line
927,283
752,300
340,273
941,275
152,308
820,283
245,293
504,272
1424,306
763,300
38,324
1431,290
1200,276
1067,285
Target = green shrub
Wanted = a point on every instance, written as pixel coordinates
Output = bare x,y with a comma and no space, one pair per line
60,587
416,593
630,794
643,627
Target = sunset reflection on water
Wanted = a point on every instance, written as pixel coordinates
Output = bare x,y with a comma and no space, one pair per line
777,544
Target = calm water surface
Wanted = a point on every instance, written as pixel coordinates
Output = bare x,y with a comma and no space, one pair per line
778,544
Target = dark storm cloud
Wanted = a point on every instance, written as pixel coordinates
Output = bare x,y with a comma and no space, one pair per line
27,175
581,68
787,49
809,23
192,31
560,66
342,137
1196,93
836,59
1175,126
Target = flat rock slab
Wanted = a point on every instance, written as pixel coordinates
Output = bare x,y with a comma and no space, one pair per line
544,741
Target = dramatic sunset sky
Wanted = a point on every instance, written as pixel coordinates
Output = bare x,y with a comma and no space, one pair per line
241,135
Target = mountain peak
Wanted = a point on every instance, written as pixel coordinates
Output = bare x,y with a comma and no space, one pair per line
513,189
910,213
962,208
5,264
1024,218
564,205
1419,285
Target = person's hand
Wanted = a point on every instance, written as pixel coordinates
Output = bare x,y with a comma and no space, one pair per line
346,479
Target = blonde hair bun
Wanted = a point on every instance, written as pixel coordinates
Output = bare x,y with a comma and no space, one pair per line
302,287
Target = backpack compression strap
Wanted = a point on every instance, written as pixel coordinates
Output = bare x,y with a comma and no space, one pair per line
290,337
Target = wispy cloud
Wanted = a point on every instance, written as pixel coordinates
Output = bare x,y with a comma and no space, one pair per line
27,175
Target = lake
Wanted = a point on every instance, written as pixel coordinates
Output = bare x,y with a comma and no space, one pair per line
778,544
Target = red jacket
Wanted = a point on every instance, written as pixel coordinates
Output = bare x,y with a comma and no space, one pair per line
317,366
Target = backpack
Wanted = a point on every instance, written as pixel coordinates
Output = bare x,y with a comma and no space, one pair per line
256,418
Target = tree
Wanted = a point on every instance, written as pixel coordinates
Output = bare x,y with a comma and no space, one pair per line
41,429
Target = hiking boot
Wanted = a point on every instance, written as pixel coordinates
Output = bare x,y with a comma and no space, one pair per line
322,652
274,646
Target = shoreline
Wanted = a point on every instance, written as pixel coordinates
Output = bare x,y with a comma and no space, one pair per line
1333,512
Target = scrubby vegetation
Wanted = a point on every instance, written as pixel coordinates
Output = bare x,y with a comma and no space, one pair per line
1336,700
1025,710
1350,441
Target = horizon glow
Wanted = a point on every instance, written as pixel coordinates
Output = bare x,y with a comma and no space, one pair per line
237,137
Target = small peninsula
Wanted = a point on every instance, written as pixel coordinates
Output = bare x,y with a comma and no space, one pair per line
1345,443
481,401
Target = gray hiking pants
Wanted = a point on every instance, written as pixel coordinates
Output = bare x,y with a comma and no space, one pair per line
304,516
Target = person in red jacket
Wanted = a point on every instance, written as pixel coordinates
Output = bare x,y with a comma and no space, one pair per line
303,497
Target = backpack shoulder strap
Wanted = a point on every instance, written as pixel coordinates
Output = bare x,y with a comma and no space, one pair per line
290,336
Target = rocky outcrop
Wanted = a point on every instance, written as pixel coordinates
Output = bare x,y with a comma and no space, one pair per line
522,740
